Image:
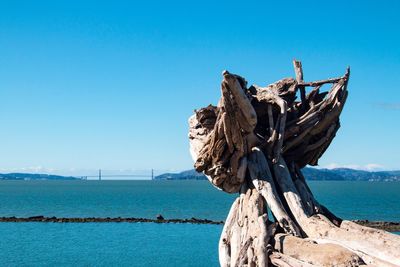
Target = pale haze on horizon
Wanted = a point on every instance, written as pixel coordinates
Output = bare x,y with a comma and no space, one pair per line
111,85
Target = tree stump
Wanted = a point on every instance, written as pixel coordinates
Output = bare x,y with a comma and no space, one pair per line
255,142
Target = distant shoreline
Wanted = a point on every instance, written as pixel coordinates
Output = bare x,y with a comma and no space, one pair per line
53,219
311,174
382,225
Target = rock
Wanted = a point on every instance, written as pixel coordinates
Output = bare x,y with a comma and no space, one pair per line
160,217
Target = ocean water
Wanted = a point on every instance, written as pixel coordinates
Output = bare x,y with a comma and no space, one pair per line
146,244
108,244
173,199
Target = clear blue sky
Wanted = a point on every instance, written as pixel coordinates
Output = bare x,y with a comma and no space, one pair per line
95,84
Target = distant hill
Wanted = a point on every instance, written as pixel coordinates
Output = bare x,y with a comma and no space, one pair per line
185,175
34,176
313,174
346,174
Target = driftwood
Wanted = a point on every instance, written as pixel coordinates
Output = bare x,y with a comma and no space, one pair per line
255,142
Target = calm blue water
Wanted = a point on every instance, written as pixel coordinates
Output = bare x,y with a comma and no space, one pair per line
173,199
103,244
123,244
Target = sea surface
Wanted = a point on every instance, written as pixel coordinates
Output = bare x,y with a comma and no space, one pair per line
147,244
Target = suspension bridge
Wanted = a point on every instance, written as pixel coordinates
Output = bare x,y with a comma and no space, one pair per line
101,176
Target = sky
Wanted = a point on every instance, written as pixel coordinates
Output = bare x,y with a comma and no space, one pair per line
110,84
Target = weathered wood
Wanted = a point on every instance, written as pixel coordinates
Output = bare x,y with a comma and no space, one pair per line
225,239
290,192
255,141
309,251
262,180
242,101
282,260
270,95
370,242
298,69
245,232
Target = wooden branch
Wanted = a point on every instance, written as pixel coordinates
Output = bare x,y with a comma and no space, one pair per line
298,70
262,180
225,241
309,251
299,78
322,82
270,120
290,192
